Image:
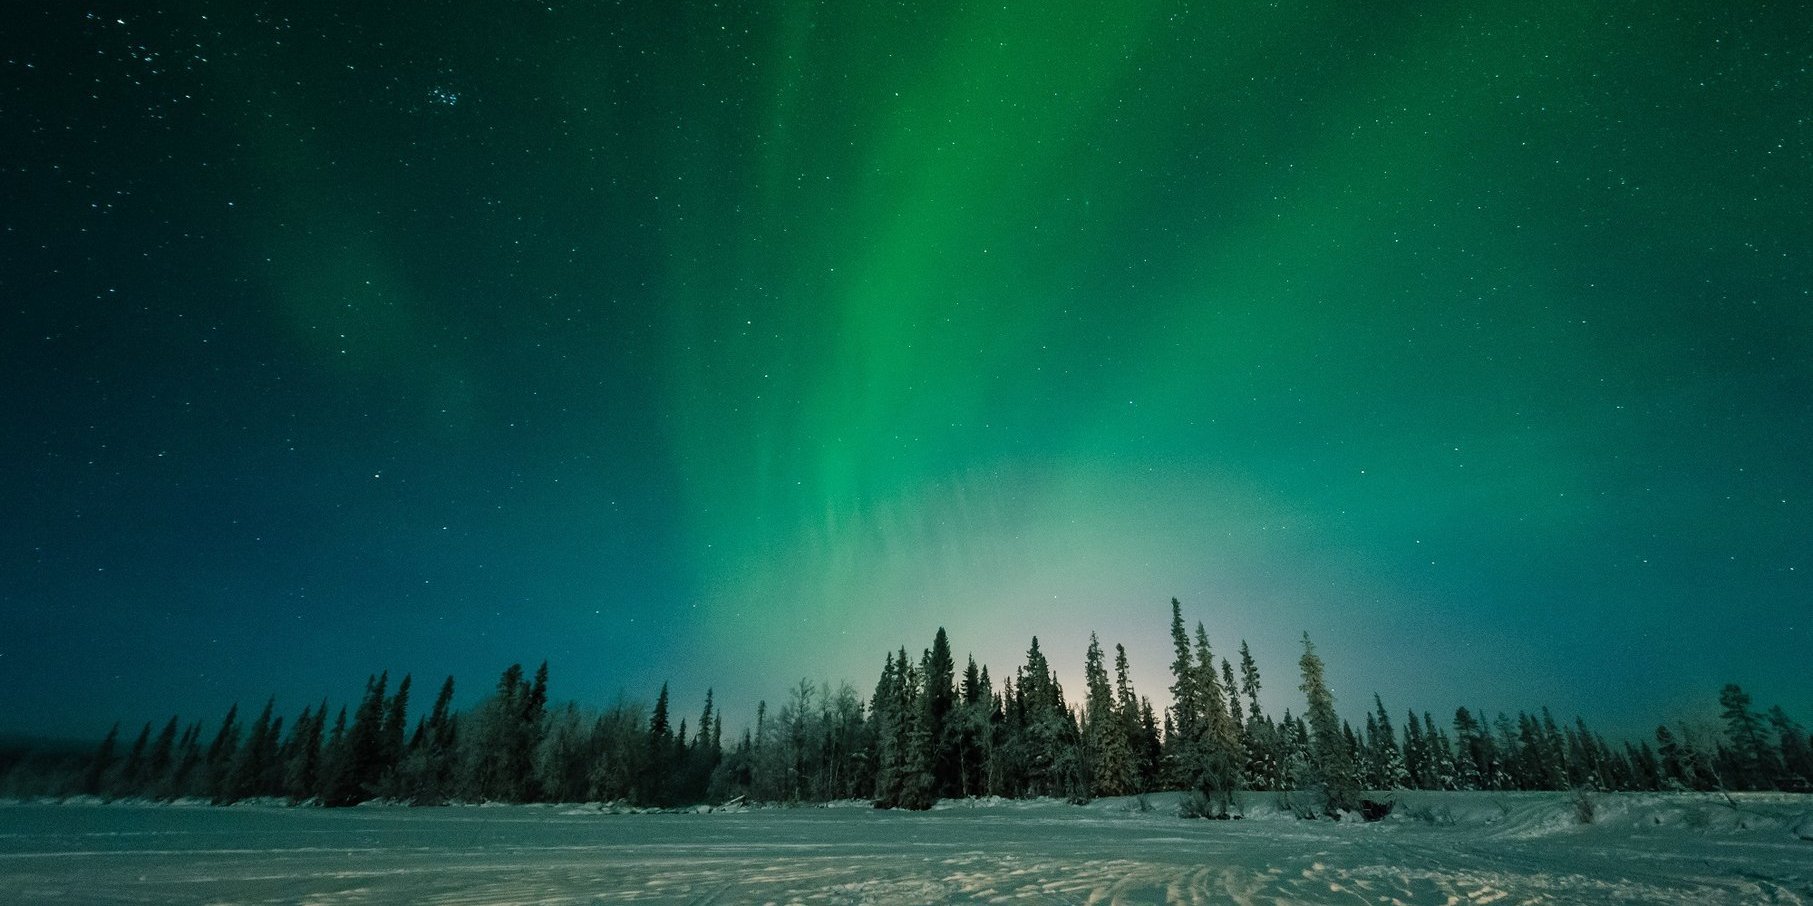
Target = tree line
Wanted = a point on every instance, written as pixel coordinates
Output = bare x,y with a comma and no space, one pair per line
927,732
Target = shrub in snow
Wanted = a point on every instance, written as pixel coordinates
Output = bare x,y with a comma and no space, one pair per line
1196,804
1586,804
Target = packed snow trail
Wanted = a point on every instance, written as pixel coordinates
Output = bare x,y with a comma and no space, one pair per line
1437,848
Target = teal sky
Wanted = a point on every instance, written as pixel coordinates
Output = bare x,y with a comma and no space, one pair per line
731,343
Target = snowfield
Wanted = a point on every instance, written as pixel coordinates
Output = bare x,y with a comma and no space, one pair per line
1445,848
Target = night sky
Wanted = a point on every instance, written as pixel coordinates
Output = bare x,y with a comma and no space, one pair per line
738,342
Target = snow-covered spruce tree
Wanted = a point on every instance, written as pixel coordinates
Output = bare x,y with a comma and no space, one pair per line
888,731
1008,767
971,731
1130,725
1218,751
843,772
563,763
1674,770
1263,768
1296,755
1469,763
1331,772
429,766
1108,756
497,759
1236,712
1415,752
1441,754
918,779
1051,743
1555,754
1183,735
620,741
1150,747
1587,765
1387,759
1368,755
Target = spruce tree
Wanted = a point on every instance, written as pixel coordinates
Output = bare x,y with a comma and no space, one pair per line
1219,756
704,754
185,765
1129,718
1648,768
1417,768
159,762
1753,760
939,671
1331,768
918,783
975,701
248,768
1235,712
131,779
1108,755
1555,759
1587,765
434,760
1249,679
1150,746
302,756
1263,763
1796,753
1441,754
1469,770
357,772
334,757
1048,752
1183,736
890,754
660,752
396,715
1535,770
221,754
526,735
94,780
1387,758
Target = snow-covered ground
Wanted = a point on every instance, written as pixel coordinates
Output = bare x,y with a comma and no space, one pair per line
1459,848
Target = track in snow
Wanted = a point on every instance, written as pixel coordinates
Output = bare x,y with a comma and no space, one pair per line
1523,853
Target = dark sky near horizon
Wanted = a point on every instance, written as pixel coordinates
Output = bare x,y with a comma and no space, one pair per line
733,343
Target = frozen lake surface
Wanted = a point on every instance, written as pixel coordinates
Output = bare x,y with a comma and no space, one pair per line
1461,848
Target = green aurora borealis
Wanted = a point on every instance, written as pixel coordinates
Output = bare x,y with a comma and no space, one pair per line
734,343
